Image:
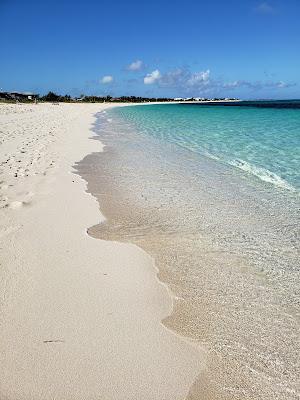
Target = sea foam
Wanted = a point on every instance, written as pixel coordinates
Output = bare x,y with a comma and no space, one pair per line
262,173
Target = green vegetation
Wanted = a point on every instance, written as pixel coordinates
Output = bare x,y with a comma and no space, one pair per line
53,97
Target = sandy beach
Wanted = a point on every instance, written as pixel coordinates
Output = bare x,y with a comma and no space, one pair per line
150,200
80,317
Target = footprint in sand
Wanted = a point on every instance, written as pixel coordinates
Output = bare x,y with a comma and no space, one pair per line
15,204
26,200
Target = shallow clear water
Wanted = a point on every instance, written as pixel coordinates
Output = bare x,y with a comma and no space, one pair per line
264,142
225,241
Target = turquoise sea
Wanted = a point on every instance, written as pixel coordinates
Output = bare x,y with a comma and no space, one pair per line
212,194
262,141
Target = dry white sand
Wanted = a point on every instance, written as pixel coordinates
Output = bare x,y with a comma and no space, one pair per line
80,317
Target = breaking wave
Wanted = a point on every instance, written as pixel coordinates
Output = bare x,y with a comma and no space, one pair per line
262,173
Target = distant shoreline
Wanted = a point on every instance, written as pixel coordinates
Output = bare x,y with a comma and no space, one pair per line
291,104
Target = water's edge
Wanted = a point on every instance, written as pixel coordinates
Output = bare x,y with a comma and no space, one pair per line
138,216
77,169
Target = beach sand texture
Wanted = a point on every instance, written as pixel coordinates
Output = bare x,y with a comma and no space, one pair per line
80,317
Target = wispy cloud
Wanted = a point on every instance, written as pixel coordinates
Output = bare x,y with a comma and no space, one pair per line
199,78
258,85
175,78
153,77
264,8
181,78
135,65
107,79
201,82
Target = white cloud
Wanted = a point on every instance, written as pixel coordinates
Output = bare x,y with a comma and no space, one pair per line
264,8
153,77
199,78
107,79
257,85
231,85
186,82
282,84
135,65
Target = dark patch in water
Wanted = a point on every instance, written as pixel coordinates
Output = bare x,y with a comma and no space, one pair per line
257,104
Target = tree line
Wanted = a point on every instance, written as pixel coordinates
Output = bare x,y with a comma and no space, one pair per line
53,97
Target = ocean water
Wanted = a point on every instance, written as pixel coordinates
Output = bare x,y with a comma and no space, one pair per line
264,142
212,194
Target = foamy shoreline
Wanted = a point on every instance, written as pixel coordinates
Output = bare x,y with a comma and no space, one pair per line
80,318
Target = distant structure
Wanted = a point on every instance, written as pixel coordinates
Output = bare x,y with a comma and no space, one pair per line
205,100
18,96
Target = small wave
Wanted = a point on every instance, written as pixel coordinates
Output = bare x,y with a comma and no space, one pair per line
262,173
212,156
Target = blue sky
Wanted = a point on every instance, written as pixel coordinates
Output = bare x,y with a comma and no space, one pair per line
240,48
